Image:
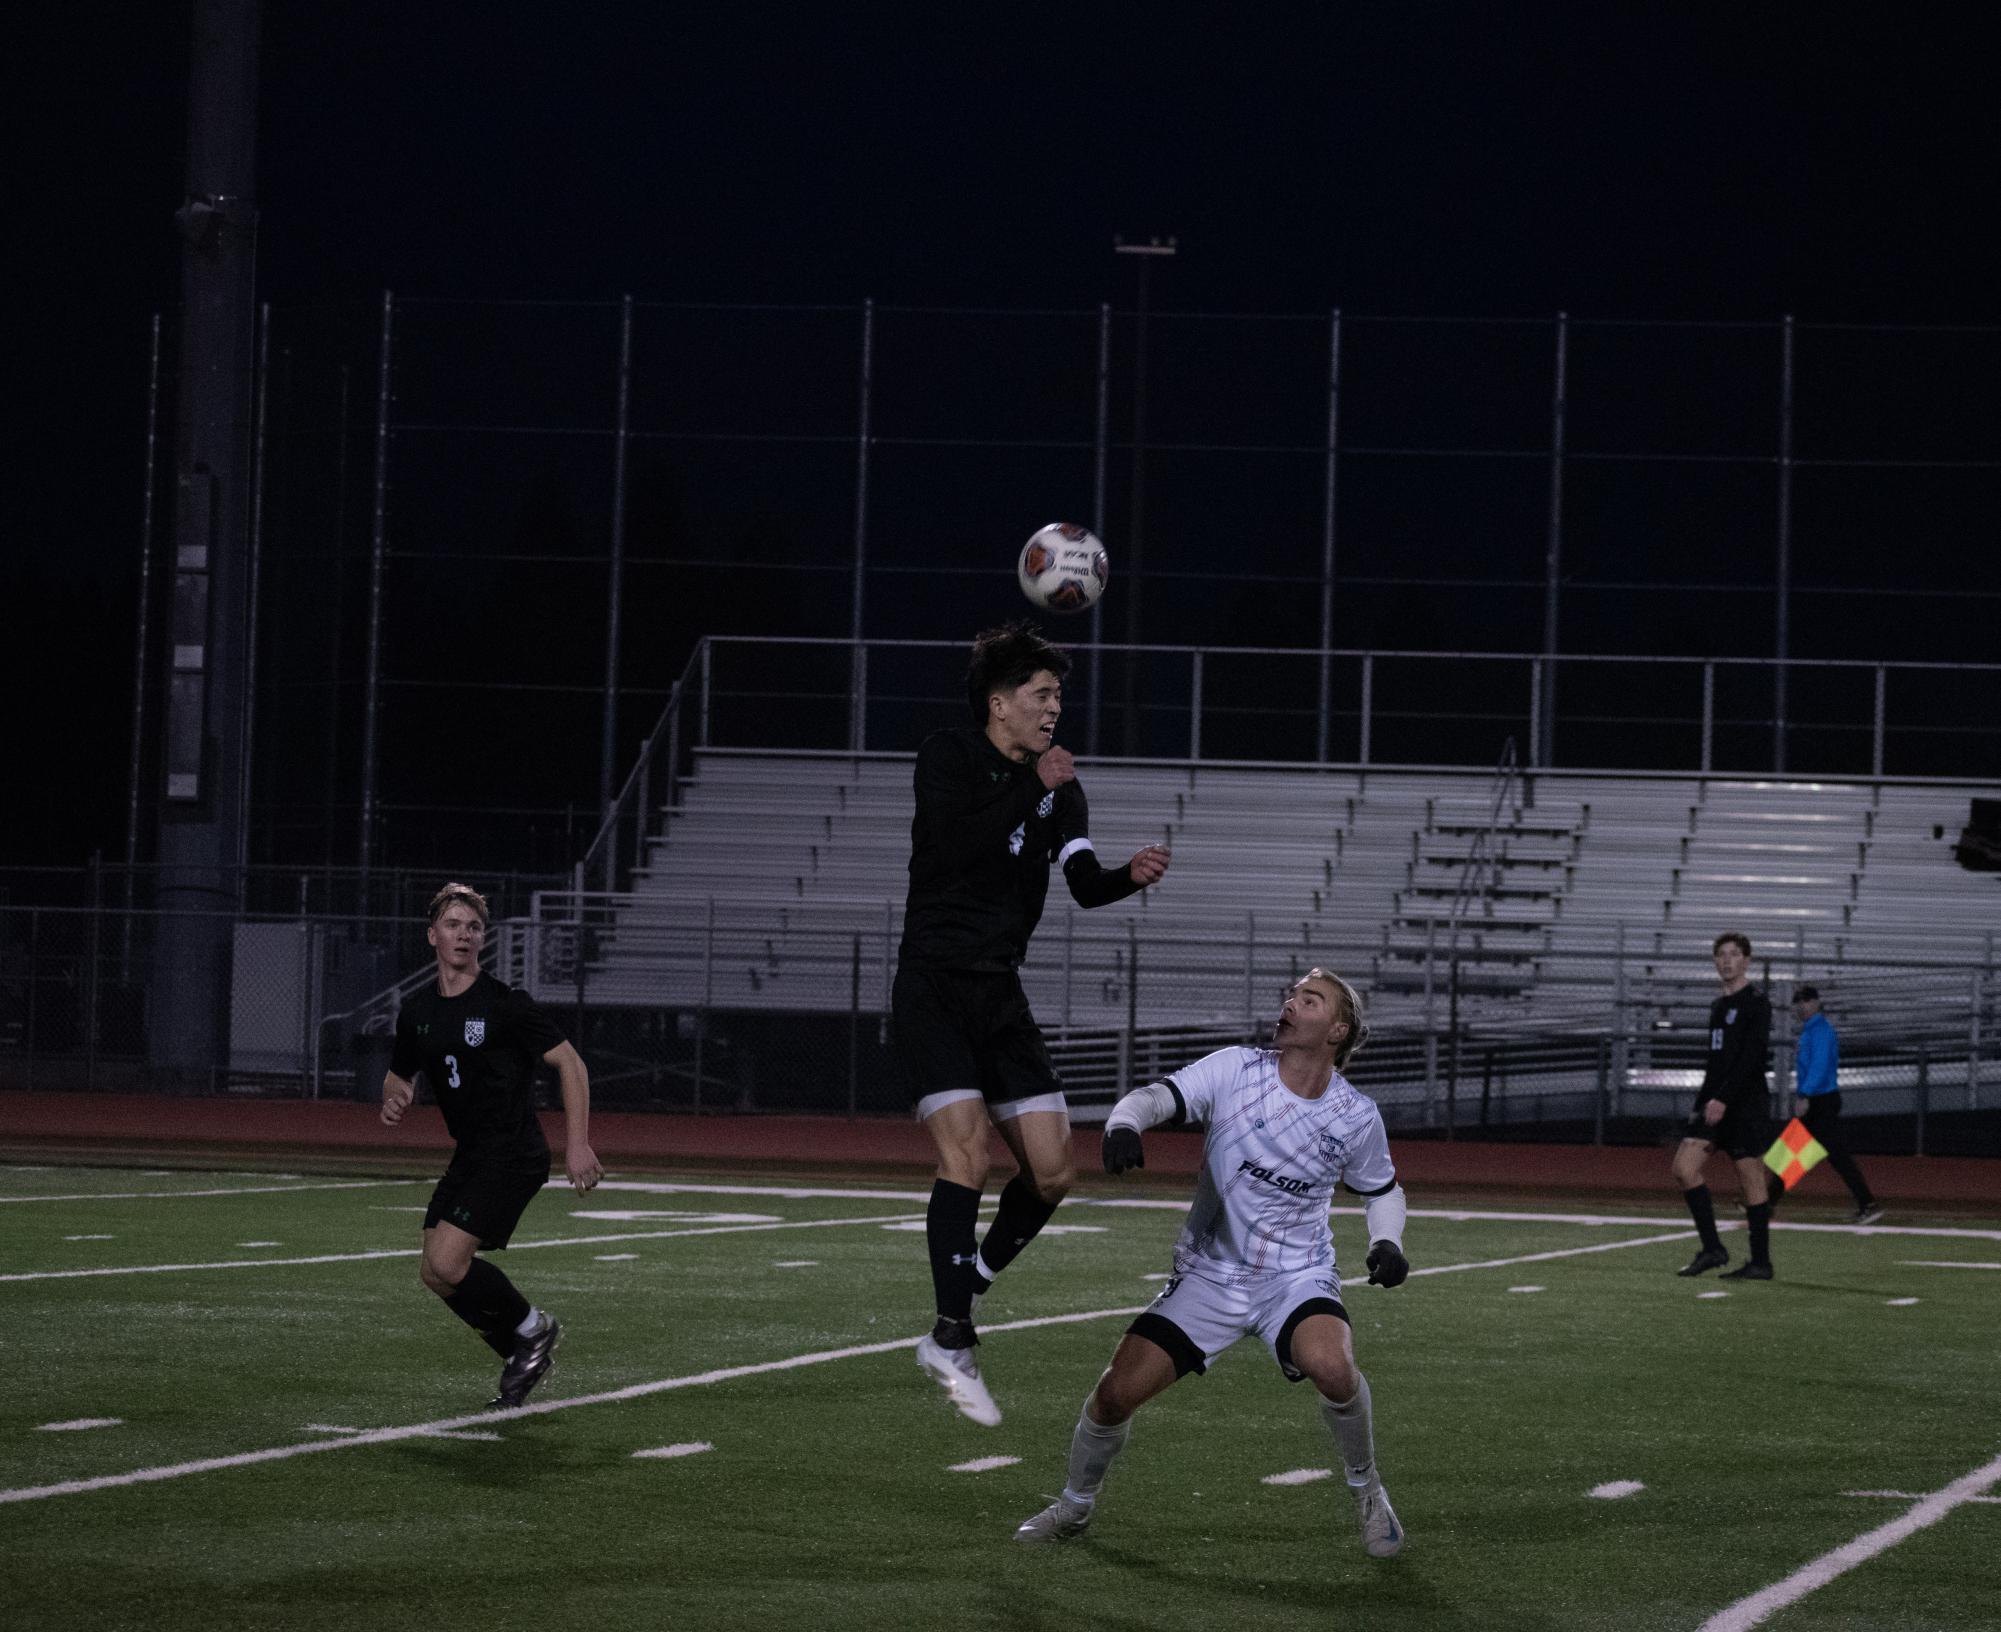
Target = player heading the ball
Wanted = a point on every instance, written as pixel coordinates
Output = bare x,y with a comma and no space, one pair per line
998,803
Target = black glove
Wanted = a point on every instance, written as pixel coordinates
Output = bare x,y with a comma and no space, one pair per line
1122,1150
1387,1264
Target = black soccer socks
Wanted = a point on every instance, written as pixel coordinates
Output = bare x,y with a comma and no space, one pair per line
1760,1220
486,1300
1022,1214
949,1222
1703,1210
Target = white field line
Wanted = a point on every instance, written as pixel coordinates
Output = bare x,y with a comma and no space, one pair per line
239,1190
1945,1263
413,1252
1151,1204
1761,1606
638,1391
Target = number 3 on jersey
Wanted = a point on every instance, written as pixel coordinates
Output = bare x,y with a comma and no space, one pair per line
452,1065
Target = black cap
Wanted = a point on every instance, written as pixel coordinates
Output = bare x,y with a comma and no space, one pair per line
1806,994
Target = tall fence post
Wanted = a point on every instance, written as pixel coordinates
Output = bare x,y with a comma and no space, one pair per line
854,1025
615,585
1620,1022
1430,1022
857,707
140,643
90,986
1708,716
1129,1037
1542,746
1195,705
1976,982
1367,705
246,751
1876,734
708,997
1327,513
1095,685
372,686
1783,632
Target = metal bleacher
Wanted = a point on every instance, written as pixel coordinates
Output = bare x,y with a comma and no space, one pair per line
1535,905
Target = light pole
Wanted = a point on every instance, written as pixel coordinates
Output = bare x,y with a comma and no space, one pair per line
1131,545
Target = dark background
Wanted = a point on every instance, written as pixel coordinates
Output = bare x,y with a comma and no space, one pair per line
1669,164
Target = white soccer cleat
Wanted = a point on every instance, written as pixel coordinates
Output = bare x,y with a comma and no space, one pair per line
1382,1535
958,1372
1061,1520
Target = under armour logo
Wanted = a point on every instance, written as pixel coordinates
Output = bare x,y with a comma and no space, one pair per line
963,1257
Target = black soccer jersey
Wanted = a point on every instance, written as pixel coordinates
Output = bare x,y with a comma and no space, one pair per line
479,1050
981,844
1740,1041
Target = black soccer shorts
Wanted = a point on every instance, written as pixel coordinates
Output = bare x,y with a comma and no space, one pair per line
962,1029
486,1198
1745,1132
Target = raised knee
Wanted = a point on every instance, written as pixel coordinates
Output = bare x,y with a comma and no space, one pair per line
1106,1406
965,1165
1337,1381
436,1280
1053,1187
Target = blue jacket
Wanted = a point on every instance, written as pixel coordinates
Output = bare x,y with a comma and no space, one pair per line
1818,1059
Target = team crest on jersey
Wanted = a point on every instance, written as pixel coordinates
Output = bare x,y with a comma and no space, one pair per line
1730,1017
475,1033
1333,1148
1048,804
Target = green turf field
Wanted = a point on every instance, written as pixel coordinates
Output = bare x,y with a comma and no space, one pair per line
300,1444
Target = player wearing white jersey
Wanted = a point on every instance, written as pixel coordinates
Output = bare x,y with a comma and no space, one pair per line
1257,1254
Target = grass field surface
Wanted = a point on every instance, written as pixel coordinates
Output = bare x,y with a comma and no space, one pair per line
230,1405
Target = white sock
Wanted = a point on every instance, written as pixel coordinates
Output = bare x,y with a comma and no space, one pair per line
987,1276
530,1323
1092,1448
1352,1425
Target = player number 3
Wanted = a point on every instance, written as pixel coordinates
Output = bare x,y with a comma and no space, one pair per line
452,1064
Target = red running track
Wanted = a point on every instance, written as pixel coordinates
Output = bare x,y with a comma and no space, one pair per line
150,1129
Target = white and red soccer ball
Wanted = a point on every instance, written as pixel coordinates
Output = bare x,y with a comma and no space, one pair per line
1063,567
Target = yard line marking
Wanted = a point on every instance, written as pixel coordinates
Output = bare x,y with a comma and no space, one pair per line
413,1252
637,1391
244,1190
1544,1257
692,1448
1528,1289
1149,1204
336,1428
1712,1294
615,1257
1901,1303
1918,1496
260,1243
1298,1476
983,1464
90,1238
1613,1489
78,1424
797,1263
1761,1606
1945,1263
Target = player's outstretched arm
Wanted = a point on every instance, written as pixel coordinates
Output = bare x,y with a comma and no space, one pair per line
579,1160
1384,1213
396,1096
1141,1109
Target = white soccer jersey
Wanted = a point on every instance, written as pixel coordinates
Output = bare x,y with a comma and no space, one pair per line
1270,1163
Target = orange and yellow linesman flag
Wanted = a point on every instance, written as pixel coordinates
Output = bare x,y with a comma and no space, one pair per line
1794,1152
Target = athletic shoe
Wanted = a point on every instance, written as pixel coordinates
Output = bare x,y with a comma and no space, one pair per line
1382,1535
1748,1272
1061,1520
1867,1213
1704,1261
957,1371
529,1363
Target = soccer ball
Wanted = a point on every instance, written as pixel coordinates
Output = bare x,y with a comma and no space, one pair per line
1063,567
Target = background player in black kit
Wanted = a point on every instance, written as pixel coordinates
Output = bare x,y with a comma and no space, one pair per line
1731,1112
997,803
478,1042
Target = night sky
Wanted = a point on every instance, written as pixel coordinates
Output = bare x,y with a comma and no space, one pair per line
1666,162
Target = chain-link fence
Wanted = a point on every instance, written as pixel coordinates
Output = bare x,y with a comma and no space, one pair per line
576,493
758,1007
